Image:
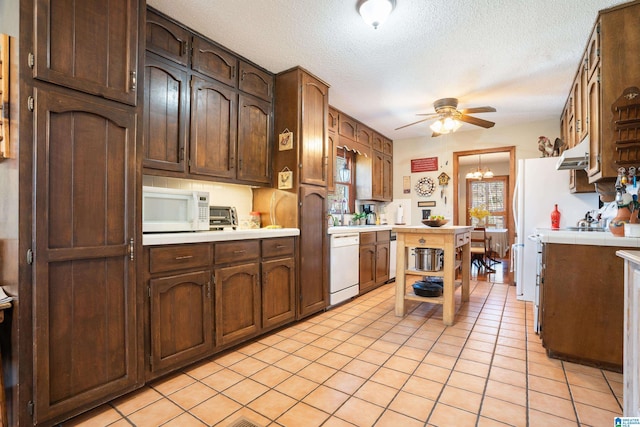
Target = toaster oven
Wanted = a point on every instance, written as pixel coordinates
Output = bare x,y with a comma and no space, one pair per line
221,217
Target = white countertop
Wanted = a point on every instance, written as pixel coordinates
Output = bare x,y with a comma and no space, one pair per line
216,236
358,228
632,256
596,238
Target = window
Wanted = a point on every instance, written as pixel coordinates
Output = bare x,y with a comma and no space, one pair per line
492,194
344,190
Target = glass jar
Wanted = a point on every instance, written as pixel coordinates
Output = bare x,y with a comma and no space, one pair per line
254,219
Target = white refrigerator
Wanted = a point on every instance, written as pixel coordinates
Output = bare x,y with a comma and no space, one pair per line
539,186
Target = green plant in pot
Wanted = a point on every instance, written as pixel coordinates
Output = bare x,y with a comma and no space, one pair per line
359,218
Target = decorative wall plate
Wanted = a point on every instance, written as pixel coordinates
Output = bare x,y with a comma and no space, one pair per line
425,186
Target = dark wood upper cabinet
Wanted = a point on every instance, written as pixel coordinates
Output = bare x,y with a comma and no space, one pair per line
334,116
347,127
214,62
165,115
85,322
88,45
167,39
364,135
213,129
255,82
254,140
314,150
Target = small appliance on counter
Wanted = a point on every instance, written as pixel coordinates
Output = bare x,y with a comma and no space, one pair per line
222,217
167,210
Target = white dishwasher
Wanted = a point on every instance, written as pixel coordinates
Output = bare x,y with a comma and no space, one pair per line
345,261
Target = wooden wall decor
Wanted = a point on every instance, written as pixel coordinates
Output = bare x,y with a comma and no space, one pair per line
626,121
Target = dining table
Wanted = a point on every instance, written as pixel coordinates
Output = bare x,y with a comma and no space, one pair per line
499,240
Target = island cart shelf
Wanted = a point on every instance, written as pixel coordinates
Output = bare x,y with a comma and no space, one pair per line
449,239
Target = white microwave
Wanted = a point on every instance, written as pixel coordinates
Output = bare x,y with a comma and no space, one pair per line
167,210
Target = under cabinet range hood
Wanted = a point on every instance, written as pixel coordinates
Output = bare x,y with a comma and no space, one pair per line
576,157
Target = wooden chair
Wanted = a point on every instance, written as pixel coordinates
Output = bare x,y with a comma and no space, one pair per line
480,249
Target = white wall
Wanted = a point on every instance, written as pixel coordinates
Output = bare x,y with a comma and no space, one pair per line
9,17
523,137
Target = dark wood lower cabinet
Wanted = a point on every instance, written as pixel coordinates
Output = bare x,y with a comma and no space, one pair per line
278,292
237,290
374,259
314,251
181,322
582,301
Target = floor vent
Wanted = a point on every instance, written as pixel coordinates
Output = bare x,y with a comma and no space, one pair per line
243,422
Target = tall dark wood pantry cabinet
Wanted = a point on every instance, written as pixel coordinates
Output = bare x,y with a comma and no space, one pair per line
76,341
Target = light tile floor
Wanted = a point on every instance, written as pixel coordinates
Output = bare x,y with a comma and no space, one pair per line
359,364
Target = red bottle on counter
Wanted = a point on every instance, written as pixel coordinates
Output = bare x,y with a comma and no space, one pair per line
555,218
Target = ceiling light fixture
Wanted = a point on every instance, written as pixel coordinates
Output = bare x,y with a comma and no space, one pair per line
479,173
445,125
375,12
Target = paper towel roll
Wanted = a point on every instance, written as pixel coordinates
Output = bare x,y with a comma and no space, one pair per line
399,215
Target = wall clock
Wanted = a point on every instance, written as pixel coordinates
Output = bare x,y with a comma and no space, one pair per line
425,186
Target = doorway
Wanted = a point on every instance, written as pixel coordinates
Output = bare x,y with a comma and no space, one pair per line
463,161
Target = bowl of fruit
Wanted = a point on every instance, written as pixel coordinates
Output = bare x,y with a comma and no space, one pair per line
435,221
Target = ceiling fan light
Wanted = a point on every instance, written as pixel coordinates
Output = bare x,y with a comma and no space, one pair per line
437,127
375,12
456,126
449,124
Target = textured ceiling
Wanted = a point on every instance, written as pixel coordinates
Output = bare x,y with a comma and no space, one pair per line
519,56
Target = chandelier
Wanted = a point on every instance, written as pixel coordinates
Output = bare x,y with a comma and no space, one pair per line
479,173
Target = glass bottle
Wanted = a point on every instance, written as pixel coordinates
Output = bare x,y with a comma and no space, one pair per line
555,218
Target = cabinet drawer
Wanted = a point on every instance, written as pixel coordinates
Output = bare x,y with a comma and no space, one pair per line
277,247
367,238
215,62
241,250
383,236
179,257
255,82
463,238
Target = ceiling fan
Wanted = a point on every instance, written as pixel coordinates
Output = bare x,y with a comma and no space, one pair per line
450,118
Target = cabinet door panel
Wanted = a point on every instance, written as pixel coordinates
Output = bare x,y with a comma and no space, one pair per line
278,292
85,346
180,318
255,82
367,276
387,178
314,129
314,251
89,45
237,302
595,142
382,263
254,140
377,177
214,61
167,39
213,129
165,116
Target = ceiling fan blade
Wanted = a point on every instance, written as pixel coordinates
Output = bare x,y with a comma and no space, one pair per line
476,121
478,110
433,135
429,114
411,124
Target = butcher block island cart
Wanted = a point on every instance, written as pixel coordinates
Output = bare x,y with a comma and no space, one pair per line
450,240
